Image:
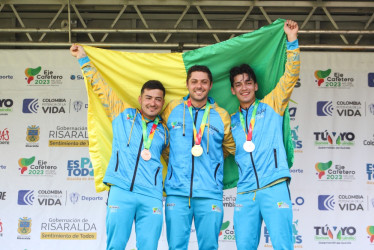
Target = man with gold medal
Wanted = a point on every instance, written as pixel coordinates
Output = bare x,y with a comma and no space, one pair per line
134,172
200,137
263,192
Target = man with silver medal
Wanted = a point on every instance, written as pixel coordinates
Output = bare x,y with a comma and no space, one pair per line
257,128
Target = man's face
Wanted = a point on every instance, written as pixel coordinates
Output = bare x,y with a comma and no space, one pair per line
244,88
151,102
198,86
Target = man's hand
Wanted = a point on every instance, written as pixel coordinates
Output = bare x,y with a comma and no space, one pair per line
291,28
77,51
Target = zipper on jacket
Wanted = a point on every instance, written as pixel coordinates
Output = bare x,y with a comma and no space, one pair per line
254,169
275,158
215,172
136,164
158,169
116,163
171,172
193,158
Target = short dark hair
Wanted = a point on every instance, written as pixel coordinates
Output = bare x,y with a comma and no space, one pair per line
242,69
153,84
200,68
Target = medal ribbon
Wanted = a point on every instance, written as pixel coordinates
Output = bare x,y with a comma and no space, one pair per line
148,139
252,123
199,136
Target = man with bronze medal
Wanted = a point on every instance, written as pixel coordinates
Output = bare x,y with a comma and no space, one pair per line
200,137
134,172
263,192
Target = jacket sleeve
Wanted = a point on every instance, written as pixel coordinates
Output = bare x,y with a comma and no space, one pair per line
228,144
279,97
112,104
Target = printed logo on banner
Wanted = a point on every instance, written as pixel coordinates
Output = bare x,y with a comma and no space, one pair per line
369,142
37,77
370,231
2,167
76,77
68,136
297,203
4,136
77,198
371,79
42,168
329,79
78,106
32,136
335,234
341,108
335,173
370,173
326,202
24,228
344,202
324,108
30,106
227,232
68,229
334,140
80,170
297,142
6,106
44,197
370,108
25,197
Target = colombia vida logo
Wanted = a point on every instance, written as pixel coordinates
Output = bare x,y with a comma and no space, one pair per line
334,140
326,171
37,77
324,79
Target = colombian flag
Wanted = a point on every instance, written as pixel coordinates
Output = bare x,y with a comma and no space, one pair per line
264,50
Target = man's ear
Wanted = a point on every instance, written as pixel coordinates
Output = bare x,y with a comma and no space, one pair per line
256,86
232,91
140,100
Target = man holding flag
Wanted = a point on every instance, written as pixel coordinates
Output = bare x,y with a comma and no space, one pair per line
200,137
263,192
134,170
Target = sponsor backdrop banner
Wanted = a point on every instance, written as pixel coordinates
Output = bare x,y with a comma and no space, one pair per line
47,193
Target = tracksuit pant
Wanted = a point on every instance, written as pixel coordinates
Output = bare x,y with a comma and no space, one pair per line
123,208
274,206
207,215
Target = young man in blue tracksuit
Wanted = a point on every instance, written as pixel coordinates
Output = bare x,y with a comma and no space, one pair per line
134,172
199,138
263,192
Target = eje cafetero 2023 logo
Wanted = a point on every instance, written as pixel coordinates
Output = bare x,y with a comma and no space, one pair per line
337,80
38,77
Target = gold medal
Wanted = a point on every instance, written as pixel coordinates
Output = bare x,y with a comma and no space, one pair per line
249,146
146,154
197,150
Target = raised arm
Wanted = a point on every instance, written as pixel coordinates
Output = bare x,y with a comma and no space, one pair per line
112,104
